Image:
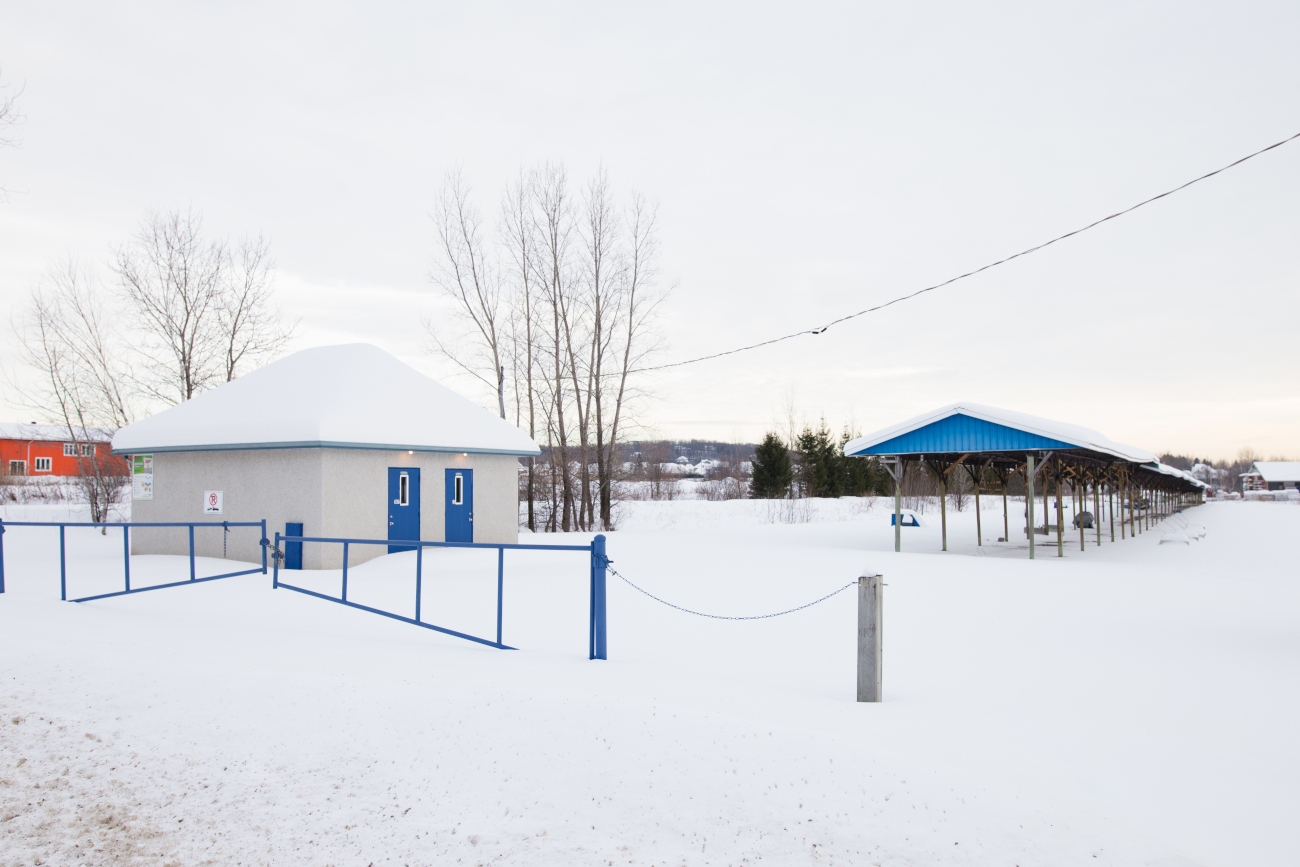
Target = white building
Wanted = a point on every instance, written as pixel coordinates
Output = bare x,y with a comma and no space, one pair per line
339,441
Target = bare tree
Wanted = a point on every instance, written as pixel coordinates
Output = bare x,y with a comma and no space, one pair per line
68,338
465,274
517,234
634,305
172,279
560,320
252,328
553,221
201,312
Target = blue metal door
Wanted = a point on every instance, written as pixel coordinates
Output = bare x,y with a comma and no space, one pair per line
293,550
403,507
460,506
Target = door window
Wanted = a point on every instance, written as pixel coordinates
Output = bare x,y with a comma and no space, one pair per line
458,493
404,490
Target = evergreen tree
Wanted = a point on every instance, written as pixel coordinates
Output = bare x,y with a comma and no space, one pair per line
820,463
772,472
858,474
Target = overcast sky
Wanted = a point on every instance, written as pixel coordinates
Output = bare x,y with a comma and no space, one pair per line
809,160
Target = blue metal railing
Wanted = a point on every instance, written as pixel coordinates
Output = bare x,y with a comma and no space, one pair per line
126,552
596,550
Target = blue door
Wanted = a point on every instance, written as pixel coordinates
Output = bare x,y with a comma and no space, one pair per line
460,506
293,550
403,507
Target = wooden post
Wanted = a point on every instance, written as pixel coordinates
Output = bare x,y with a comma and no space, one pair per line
943,507
1060,515
1046,512
1006,519
979,530
869,636
1029,502
1096,507
1078,509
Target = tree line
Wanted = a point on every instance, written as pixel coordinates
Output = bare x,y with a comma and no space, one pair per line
813,464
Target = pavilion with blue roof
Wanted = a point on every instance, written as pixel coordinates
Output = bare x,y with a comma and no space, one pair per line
993,445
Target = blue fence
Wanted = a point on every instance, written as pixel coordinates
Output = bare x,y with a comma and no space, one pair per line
126,552
596,550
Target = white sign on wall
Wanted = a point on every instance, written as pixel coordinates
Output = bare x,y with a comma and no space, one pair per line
213,502
142,477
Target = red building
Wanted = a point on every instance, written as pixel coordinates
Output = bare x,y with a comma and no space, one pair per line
48,450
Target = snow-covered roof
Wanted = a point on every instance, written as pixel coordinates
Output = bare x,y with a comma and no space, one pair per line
49,433
1279,471
350,396
1166,470
1075,435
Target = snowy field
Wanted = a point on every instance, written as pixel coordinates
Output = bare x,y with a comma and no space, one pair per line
1133,704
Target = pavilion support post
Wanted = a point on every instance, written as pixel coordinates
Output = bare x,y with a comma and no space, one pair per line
1046,511
1006,518
1096,508
1060,515
1079,491
943,507
895,469
979,532
1029,502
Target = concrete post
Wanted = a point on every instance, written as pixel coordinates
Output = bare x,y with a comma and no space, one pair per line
869,636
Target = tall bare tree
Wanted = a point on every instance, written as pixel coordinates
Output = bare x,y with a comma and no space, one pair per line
68,338
517,237
567,307
465,274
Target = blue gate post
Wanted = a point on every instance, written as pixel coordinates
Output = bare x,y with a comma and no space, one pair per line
126,555
501,580
191,552
598,566
345,572
63,567
263,544
419,578
275,564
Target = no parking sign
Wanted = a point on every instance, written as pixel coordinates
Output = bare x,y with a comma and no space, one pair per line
213,502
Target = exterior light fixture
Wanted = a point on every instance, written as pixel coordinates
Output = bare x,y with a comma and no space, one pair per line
411,452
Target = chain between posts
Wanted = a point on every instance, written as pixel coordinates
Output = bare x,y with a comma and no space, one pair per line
723,616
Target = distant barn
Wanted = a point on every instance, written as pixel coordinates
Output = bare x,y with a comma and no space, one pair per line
340,441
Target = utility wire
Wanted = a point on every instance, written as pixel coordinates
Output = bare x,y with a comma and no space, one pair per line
1034,249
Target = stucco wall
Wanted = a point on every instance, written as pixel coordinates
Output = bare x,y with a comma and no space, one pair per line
279,485
333,492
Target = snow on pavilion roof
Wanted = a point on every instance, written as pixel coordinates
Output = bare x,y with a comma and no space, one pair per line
1279,471
973,428
350,396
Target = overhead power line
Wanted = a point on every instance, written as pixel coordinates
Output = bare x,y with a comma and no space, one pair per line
820,329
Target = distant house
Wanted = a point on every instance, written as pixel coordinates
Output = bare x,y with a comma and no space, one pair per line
337,441
1272,476
47,449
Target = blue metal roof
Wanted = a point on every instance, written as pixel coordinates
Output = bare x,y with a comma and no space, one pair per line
962,433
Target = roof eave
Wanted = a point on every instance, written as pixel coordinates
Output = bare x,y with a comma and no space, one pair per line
323,444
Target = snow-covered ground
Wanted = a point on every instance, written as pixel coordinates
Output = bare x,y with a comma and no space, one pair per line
1133,704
